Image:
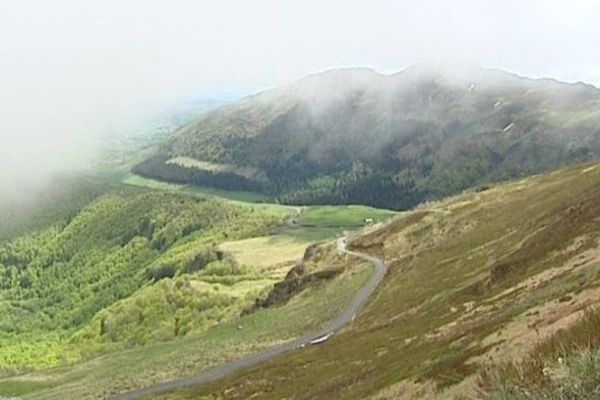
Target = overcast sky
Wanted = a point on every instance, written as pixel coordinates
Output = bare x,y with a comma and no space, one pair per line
68,67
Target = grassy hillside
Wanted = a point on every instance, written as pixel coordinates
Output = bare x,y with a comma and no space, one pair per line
304,224
343,216
354,136
201,348
161,274
474,281
169,360
243,196
565,366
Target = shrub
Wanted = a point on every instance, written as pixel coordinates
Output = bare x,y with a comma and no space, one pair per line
564,367
162,272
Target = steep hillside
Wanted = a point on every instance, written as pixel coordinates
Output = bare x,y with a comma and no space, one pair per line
165,276
133,267
392,141
475,280
60,199
216,294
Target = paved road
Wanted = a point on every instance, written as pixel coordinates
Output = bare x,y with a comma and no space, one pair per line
223,370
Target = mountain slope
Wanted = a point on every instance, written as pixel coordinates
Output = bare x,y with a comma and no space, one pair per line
166,280
61,199
133,267
393,141
473,280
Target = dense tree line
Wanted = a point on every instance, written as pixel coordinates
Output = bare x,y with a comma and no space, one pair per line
156,167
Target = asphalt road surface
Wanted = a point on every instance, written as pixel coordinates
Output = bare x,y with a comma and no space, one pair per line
252,360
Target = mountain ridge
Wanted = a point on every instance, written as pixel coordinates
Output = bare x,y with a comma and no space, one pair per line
357,136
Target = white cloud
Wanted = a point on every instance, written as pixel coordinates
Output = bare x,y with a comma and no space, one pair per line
69,66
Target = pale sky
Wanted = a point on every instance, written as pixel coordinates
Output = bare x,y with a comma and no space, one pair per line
69,66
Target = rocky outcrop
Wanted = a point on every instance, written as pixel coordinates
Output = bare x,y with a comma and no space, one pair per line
296,280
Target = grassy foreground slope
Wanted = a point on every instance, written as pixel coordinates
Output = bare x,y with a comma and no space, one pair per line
473,281
565,366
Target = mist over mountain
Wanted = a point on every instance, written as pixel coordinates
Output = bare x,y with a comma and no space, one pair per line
357,136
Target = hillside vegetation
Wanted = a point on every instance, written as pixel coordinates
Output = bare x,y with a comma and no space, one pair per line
474,282
326,284
171,277
133,267
565,366
60,199
393,141
165,361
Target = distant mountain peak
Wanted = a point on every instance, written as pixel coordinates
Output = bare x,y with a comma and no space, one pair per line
354,135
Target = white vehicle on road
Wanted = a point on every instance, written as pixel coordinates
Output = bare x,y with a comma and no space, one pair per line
277,350
321,339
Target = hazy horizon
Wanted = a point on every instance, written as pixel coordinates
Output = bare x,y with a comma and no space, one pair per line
71,71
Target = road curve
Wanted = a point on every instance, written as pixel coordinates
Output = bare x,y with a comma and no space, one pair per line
252,360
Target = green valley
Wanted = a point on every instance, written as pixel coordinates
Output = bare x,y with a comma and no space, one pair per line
161,274
292,200
475,284
356,136
257,252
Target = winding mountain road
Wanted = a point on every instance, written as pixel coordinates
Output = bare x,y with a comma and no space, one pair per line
252,360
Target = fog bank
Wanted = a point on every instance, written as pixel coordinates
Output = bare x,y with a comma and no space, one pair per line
70,69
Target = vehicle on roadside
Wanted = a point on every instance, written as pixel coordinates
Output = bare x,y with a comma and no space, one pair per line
321,339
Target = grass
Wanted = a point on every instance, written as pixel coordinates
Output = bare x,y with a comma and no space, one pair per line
323,217
113,373
17,388
343,216
246,172
242,196
476,277
182,324
308,234
239,198
565,366
312,224
267,252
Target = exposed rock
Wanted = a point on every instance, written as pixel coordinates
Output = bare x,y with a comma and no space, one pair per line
295,281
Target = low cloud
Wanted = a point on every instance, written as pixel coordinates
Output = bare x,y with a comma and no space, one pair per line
70,69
